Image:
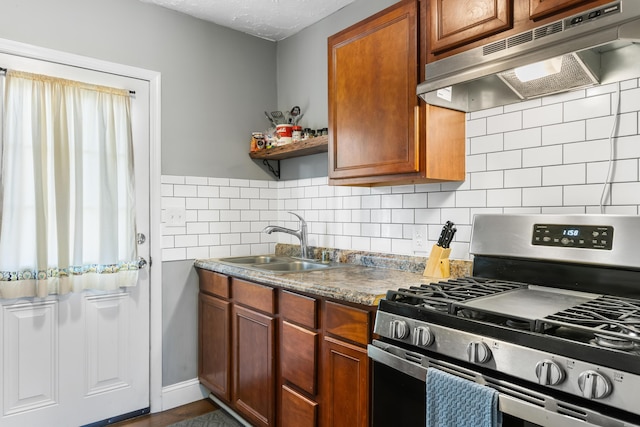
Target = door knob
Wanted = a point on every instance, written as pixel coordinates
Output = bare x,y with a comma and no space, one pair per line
142,263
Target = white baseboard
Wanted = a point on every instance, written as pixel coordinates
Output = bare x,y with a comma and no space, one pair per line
182,393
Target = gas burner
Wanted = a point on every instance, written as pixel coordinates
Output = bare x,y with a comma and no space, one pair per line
436,306
612,342
518,324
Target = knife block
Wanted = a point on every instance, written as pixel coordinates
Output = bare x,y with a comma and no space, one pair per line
438,263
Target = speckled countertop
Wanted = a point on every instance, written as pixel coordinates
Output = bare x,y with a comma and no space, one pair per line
362,278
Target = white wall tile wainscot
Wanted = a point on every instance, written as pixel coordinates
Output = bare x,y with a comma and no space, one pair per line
549,155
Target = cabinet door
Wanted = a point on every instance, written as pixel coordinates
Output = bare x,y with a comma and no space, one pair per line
346,382
214,345
454,23
373,73
254,381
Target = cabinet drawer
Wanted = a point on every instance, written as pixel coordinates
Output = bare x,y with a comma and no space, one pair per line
299,309
299,357
297,410
214,283
347,322
253,295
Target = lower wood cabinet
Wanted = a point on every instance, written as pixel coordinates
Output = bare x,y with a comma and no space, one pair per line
280,358
214,351
253,372
346,384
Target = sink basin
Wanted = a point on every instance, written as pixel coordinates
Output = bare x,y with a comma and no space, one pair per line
257,259
278,264
294,266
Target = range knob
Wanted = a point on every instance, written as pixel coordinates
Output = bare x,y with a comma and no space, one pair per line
399,329
478,352
549,372
422,336
594,385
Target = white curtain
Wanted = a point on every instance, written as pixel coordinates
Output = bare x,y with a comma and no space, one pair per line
68,212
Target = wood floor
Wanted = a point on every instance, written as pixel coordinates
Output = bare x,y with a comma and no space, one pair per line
163,419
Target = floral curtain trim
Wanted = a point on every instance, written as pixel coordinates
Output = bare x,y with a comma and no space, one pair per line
11,276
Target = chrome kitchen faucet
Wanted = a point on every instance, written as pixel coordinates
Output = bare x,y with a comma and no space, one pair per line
300,234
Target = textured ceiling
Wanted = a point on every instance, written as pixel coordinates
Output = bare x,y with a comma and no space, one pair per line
268,19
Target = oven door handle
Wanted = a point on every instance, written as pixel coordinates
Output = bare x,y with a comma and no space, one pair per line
405,366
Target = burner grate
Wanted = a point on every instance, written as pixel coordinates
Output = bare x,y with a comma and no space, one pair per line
618,318
440,296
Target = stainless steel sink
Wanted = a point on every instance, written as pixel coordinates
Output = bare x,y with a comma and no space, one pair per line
257,259
279,264
294,266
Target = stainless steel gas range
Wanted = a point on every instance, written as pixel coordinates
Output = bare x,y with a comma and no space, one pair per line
550,319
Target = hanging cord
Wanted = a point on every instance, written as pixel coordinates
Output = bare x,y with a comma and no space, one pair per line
606,186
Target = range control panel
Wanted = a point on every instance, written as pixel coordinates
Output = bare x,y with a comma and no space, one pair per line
573,236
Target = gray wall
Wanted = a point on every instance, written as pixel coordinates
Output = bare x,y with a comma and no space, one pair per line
302,77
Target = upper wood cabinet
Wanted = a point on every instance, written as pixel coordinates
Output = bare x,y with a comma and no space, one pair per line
456,25
377,123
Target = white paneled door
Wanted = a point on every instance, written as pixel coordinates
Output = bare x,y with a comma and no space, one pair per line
80,358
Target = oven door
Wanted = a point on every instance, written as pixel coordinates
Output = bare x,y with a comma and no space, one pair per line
399,394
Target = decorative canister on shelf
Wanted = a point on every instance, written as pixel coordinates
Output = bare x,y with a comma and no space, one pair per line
284,134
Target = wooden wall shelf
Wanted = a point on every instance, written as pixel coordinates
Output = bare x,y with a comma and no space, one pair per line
307,147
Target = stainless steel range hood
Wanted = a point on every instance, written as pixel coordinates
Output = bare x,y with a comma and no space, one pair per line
598,46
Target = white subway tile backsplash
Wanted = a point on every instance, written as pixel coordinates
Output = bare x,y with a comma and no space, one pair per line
486,144
442,200
172,179
529,177
549,155
630,100
471,198
625,193
542,116
504,160
506,197
476,128
563,133
505,122
185,190
586,108
414,200
196,180
486,113
477,163
564,175
493,179
526,138
621,171
582,195
542,196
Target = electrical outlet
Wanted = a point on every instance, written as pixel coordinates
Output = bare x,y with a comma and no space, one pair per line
176,217
419,238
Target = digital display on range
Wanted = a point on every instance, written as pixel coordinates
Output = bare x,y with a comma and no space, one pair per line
573,236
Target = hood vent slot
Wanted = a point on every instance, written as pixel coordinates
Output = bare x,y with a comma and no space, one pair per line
547,30
519,39
494,47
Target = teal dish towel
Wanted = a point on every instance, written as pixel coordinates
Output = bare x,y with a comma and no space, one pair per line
455,402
